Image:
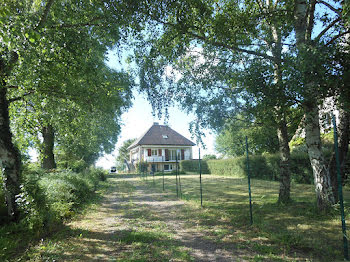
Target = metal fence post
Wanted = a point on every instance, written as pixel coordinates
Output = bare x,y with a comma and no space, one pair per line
250,194
178,172
153,171
177,185
200,175
340,190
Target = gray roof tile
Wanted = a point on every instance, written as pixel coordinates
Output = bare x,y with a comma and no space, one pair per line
156,135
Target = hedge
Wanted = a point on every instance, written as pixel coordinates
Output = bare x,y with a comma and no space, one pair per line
264,166
193,166
48,198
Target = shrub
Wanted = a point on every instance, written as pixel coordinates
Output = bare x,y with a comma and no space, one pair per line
265,166
193,166
142,167
209,156
48,198
237,167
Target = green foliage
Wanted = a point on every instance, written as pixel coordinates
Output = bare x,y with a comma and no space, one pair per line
193,166
298,144
230,141
69,162
48,198
208,157
265,166
123,153
142,167
62,77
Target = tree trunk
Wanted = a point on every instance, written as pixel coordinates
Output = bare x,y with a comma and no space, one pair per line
10,161
282,133
343,147
304,13
343,127
48,160
323,187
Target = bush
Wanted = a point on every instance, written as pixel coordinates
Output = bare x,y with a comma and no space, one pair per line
193,166
208,157
48,198
142,167
237,167
265,166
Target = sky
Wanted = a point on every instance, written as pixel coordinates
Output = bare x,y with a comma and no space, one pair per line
138,119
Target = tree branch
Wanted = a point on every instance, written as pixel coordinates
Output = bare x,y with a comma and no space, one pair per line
338,36
45,14
338,11
90,23
326,29
310,18
20,97
234,48
216,43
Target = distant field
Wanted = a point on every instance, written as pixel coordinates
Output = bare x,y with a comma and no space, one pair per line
297,227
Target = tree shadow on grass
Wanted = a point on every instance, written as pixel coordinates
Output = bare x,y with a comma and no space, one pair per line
119,245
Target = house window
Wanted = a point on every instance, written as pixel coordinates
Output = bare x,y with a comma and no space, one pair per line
165,136
168,167
154,152
172,154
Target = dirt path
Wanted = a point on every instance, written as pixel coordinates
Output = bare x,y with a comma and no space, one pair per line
138,222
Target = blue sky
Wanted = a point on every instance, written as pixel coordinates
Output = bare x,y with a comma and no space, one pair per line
139,118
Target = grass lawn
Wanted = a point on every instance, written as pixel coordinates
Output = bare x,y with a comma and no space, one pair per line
296,228
126,227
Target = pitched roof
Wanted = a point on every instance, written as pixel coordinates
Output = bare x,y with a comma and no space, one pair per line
161,135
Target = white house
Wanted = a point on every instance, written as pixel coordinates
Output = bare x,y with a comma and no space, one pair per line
159,147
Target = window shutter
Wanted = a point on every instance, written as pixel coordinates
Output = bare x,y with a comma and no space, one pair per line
166,155
149,152
160,152
182,154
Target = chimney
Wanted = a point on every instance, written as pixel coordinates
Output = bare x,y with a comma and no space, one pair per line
155,123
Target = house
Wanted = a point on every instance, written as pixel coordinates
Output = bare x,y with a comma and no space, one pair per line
158,147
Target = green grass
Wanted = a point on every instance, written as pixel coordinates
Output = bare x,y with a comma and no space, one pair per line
15,238
87,240
295,232
297,228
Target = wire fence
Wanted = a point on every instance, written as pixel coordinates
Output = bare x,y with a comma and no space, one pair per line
253,201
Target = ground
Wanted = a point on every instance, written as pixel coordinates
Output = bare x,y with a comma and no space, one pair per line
137,221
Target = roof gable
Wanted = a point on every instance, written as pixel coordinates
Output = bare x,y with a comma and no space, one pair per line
161,135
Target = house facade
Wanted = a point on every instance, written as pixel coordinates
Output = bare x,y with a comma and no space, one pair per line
158,148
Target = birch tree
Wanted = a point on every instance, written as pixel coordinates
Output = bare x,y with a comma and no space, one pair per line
311,49
233,35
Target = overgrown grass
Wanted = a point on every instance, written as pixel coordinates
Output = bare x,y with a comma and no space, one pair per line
295,232
47,199
141,237
277,229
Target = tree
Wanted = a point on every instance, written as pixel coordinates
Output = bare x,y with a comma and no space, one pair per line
211,43
123,153
88,94
209,157
313,55
230,141
252,33
25,30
